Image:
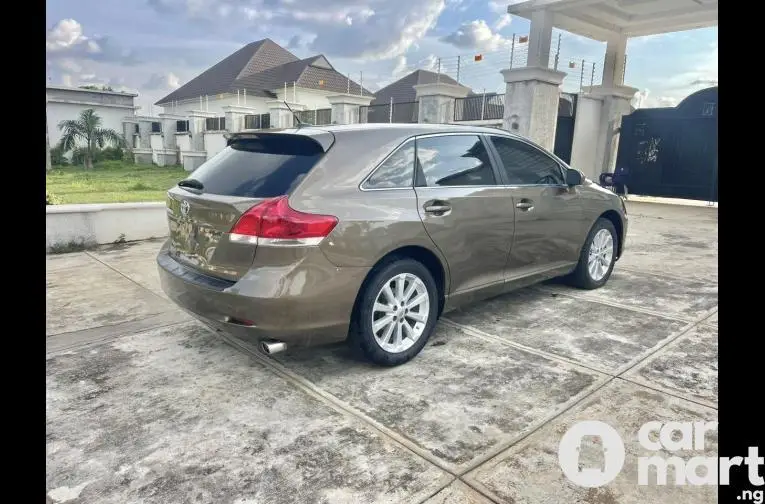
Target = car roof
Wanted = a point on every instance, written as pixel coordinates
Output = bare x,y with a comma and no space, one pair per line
407,129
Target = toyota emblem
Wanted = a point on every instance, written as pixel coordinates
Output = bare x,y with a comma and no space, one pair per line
185,207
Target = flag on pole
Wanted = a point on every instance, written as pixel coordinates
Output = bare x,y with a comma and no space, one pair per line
523,39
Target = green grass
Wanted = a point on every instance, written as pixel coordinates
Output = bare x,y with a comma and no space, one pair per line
112,182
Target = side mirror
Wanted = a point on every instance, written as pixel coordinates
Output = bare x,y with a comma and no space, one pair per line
573,177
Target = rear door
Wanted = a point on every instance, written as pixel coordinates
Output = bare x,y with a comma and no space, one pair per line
549,220
465,211
203,208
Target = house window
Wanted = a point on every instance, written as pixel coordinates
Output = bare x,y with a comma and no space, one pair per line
137,130
181,126
257,121
156,127
708,109
215,124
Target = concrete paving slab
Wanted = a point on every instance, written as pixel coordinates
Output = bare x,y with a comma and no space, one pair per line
687,299
57,262
176,415
142,271
672,240
93,295
596,335
146,249
460,400
530,473
712,320
458,493
686,367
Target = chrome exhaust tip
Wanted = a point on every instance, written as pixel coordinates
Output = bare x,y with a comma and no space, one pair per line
273,347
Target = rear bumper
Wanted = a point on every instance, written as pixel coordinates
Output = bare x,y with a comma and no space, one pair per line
304,303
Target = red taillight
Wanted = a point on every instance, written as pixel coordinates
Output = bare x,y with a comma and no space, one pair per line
274,219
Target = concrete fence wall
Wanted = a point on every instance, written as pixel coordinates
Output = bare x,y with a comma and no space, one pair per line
104,223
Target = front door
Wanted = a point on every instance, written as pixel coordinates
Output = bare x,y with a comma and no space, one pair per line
466,212
549,220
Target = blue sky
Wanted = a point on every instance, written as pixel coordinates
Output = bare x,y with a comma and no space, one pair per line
156,45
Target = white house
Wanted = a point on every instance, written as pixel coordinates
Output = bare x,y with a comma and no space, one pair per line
64,103
246,90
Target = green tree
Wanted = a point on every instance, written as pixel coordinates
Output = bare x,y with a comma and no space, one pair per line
87,130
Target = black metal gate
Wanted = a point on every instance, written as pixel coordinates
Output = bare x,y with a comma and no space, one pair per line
564,129
672,152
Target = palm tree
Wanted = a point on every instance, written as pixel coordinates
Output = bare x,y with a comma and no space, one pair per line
87,129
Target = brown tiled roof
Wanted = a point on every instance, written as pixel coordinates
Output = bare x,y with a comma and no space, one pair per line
402,91
261,68
254,57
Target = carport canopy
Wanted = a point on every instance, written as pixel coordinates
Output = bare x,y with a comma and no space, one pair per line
605,20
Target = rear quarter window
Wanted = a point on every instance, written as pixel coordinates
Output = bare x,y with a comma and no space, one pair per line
262,167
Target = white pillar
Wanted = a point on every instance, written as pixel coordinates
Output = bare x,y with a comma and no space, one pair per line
345,107
235,117
540,39
600,143
584,156
613,65
531,103
281,117
197,120
436,101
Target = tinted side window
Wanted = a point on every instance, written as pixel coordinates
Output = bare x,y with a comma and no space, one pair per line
396,171
525,164
259,168
453,160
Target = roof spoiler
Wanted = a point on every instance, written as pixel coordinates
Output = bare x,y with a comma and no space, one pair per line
325,139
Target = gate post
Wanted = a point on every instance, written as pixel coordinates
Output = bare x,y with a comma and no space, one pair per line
436,101
345,107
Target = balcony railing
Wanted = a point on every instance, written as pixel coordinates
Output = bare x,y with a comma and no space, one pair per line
481,107
405,112
319,117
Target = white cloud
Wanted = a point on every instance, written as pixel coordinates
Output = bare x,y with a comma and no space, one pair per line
502,22
65,34
378,28
163,82
475,35
66,40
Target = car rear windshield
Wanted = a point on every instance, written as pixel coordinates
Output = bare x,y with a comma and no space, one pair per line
261,167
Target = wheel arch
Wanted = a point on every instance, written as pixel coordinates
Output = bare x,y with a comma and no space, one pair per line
426,257
616,220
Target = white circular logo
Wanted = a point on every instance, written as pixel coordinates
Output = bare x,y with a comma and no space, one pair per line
609,459
185,207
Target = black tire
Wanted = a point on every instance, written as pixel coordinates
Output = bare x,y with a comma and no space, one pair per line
361,335
581,277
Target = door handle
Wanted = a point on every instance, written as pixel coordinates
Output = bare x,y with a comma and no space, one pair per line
525,205
437,207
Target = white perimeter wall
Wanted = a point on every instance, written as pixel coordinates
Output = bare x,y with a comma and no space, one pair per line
215,104
103,224
214,143
111,117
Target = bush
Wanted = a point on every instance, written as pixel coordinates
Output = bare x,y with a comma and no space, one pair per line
105,154
110,154
51,199
57,157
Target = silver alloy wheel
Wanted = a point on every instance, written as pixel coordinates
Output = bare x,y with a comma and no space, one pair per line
400,312
601,254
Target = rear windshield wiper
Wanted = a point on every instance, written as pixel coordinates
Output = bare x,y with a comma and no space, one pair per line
192,184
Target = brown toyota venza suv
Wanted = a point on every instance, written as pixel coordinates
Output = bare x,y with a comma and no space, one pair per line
369,232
